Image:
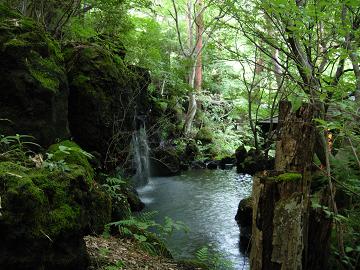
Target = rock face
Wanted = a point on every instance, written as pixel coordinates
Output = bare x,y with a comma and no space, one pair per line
33,82
45,214
106,96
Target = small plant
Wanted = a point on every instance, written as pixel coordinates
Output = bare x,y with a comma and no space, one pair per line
104,251
118,265
53,165
69,150
213,260
140,228
16,147
113,187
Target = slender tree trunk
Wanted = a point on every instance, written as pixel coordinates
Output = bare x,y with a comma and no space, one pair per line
195,74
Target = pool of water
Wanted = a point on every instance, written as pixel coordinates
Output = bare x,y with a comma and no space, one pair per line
206,201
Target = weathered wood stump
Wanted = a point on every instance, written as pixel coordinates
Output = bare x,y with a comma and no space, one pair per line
281,197
279,220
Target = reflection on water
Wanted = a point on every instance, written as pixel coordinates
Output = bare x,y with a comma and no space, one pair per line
206,201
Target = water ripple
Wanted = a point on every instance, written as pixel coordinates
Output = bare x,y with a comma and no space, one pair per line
207,202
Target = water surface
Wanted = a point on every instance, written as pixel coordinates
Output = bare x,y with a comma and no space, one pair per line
206,201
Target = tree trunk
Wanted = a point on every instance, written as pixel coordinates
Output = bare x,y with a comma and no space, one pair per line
320,226
281,197
195,74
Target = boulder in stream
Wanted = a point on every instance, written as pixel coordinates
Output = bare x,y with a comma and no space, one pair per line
244,219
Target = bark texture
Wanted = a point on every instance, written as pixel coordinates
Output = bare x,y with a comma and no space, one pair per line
281,197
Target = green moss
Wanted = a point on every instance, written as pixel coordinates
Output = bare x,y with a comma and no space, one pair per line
63,219
28,42
38,202
72,154
204,135
45,80
287,177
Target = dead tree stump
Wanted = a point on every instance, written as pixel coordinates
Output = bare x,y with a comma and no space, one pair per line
281,197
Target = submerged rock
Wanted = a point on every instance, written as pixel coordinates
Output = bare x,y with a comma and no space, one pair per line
33,83
46,212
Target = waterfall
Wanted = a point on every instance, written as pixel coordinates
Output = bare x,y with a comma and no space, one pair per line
140,150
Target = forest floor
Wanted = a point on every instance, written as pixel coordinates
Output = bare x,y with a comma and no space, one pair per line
114,253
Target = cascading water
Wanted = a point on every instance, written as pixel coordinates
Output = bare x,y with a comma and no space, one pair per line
140,149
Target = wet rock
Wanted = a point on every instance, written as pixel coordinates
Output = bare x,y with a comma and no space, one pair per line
240,154
212,165
227,163
33,83
164,161
136,205
244,219
105,98
197,165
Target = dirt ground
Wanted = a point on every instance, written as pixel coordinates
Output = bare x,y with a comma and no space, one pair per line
114,254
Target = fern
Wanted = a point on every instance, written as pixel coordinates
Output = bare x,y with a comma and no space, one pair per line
202,254
138,228
213,260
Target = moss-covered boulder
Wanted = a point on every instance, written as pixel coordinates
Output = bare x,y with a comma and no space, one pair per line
164,161
71,153
106,97
33,84
204,135
45,214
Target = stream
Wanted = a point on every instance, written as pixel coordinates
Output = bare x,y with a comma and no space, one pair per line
206,201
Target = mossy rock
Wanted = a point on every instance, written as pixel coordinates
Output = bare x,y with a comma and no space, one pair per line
244,212
191,151
204,135
164,161
43,210
71,153
105,98
33,81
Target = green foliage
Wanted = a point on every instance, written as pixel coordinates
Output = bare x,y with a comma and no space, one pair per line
140,228
118,265
211,259
16,148
68,152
